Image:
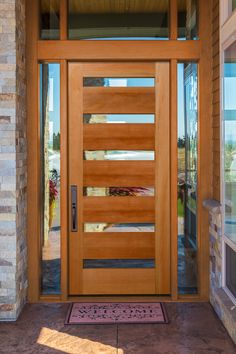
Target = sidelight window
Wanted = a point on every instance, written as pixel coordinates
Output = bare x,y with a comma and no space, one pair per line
50,177
229,128
187,177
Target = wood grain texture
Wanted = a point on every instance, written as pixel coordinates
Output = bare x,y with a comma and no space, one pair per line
64,180
118,6
174,179
63,19
76,176
119,50
162,179
33,153
174,8
119,209
119,136
129,54
119,173
205,165
118,100
141,69
118,245
216,98
118,281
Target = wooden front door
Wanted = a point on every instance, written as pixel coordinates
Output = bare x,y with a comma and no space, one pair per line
119,178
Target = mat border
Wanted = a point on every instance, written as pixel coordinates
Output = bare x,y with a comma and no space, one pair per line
166,318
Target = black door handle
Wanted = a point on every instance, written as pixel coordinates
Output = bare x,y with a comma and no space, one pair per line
74,218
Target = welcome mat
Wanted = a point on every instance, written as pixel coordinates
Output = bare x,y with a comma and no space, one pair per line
110,313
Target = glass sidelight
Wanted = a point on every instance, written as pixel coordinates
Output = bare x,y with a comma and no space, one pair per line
187,177
50,177
229,190
230,142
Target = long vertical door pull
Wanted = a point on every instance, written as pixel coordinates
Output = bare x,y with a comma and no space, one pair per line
74,219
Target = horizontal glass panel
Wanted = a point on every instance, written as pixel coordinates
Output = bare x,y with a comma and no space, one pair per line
187,177
50,19
124,227
230,270
119,82
118,191
119,118
119,263
50,177
188,19
119,155
230,142
130,19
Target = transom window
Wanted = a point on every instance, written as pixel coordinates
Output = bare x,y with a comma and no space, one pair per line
119,19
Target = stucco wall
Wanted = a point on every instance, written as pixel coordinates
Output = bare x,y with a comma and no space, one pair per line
13,173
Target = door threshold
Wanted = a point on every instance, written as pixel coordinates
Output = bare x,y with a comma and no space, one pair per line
122,298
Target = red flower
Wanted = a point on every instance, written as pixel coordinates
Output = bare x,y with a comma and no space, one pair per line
128,191
53,192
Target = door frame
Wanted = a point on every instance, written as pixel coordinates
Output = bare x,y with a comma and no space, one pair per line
63,51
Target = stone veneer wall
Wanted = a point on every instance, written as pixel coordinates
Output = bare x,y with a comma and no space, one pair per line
13,172
222,304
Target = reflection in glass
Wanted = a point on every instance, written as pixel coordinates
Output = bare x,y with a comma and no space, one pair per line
119,155
118,263
119,191
233,5
188,19
50,177
119,82
130,19
124,227
230,141
187,177
119,118
50,19
230,270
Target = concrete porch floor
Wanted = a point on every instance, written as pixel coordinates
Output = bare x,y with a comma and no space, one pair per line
193,329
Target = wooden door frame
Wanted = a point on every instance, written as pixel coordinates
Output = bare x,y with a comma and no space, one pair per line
64,50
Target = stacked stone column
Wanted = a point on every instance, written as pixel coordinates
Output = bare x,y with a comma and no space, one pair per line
13,172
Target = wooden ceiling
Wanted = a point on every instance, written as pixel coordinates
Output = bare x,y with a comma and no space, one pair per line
118,6
111,6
